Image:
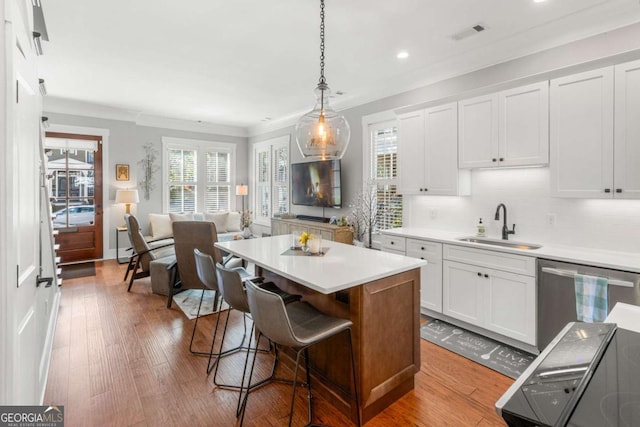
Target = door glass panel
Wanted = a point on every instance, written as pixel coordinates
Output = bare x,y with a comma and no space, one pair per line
72,187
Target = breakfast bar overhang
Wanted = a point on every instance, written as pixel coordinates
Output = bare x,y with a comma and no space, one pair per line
379,292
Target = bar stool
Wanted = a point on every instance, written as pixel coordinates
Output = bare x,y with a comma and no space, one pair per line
299,326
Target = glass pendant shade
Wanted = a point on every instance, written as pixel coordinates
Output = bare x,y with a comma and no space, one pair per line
322,133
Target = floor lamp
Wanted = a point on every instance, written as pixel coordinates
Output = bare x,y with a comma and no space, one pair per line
242,190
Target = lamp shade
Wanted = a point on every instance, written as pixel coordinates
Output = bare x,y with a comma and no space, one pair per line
127,196
242,190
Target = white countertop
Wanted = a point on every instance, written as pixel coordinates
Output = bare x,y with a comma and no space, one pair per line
342,267
607,259
626,316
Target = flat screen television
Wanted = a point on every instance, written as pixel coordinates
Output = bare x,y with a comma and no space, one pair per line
316,183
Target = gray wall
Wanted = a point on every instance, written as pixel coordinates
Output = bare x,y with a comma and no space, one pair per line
125,146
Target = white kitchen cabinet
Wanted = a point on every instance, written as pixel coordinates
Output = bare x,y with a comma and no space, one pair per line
627,131
462,292
491,290
524,126
478,131
508,128
431,274
582,135
428,153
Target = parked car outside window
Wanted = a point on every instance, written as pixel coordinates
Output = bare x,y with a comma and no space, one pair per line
78,215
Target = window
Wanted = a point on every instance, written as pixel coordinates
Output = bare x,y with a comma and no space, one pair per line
382,172
271,179
198,175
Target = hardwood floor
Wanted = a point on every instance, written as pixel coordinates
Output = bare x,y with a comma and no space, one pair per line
123,358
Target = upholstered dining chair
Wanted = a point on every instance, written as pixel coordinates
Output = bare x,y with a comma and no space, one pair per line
156,261
299,326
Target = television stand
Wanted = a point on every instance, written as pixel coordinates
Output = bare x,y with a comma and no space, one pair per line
312,218
342,234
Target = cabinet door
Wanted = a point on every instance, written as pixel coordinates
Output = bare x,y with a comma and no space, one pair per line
510,305
462,292
478,132
524,125
325,234
279,227
441,150
431,274
411,153
627,131
582,135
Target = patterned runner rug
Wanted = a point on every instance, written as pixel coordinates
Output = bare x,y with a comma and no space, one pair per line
485,351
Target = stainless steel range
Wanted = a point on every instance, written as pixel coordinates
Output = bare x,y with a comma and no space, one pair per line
588,376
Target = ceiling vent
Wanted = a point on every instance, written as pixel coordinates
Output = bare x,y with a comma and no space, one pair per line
468,32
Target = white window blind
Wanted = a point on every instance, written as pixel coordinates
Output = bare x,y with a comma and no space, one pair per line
384,173
263,160
199,175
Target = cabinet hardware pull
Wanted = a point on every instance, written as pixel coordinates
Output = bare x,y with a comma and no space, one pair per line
618,190
422,248
607,190
479,274
393,243
421,189
501,159
494,160
486,276
421,257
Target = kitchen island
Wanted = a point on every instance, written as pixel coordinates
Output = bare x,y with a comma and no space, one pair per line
379,292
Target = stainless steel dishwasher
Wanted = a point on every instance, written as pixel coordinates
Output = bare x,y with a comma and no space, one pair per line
557,298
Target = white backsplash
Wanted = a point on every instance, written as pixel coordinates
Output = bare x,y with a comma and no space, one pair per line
612,225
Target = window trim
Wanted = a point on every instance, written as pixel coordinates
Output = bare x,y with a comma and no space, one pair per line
201,147
370,122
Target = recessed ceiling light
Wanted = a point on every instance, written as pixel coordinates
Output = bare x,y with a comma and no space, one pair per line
539,1
402,54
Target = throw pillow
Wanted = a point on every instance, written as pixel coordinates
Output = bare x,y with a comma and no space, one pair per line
160,226
181,217
233,222
219,219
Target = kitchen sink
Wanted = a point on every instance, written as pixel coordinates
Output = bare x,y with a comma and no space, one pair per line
503,243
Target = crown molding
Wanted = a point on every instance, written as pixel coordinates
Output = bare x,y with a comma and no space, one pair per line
86,109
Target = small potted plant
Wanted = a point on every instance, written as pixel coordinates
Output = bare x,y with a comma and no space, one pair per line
245,220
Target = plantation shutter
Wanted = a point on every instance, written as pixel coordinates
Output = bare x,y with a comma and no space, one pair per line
384,171
263,160
217,195
182,180
280,187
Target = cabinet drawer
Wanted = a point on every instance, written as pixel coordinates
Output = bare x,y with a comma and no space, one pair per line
393,251
395,243
424,248
499,260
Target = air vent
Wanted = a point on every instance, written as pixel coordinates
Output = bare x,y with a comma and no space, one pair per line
468,32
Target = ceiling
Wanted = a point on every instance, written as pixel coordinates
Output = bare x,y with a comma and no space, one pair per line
237,62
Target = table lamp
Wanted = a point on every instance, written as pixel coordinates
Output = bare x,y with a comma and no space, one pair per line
242,190
127,197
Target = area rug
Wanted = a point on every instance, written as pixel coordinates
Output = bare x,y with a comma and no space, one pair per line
189,300
485,351
73,271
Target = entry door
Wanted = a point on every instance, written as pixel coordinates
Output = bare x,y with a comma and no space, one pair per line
75,165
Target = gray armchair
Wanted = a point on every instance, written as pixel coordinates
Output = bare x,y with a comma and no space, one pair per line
157,261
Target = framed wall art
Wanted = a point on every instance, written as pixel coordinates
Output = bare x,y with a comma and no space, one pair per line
122,172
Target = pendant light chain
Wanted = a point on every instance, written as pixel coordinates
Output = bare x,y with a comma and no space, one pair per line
322,79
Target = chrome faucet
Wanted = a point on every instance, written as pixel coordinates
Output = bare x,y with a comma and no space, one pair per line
505,229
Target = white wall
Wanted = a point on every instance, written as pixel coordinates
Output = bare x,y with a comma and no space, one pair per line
600,224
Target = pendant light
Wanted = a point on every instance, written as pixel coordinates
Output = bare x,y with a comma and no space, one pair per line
322,133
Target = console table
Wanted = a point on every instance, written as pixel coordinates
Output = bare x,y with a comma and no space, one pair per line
280,226
378,291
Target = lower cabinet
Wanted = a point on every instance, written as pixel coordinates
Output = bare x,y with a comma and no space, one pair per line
332,232
431,274
492,299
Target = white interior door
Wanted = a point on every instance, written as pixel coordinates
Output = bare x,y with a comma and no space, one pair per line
22,211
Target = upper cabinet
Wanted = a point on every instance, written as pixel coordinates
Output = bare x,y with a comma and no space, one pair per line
626,152
595,151
508,128
428,153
